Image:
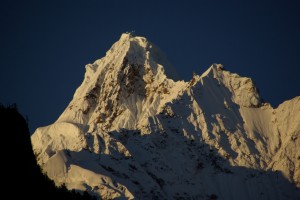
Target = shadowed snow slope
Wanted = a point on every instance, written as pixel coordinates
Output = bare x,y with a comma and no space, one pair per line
133,130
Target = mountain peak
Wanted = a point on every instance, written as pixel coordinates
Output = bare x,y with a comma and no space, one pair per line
133,71
133,131
211,71
140,51
242,89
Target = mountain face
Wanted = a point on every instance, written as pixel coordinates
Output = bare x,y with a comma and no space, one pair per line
133,130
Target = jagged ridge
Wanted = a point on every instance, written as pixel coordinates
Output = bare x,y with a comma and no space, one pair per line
131,131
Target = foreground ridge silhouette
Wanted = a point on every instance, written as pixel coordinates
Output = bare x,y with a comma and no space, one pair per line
23,178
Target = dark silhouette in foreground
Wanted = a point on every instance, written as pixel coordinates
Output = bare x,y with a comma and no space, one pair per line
21,176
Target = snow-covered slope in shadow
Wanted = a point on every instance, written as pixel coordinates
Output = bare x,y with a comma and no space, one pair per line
133,130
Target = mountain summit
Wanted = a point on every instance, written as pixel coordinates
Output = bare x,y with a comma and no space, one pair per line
133,130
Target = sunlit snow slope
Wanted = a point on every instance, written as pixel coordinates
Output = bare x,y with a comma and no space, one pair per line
133,130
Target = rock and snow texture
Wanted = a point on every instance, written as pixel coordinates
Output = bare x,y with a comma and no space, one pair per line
133,130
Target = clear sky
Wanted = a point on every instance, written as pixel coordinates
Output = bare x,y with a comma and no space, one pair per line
46,44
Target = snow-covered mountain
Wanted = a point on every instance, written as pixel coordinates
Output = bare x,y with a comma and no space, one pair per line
133,130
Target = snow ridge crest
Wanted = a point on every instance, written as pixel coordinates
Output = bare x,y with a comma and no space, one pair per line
135,130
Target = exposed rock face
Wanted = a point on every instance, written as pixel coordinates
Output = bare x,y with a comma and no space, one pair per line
133,130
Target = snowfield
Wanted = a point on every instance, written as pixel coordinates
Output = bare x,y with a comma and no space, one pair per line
133,130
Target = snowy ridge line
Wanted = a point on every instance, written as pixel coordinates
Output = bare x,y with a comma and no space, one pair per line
134,130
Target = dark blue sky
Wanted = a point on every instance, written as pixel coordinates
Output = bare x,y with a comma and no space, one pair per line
46,44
